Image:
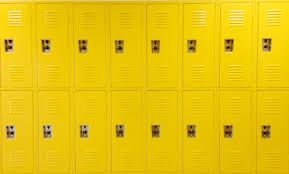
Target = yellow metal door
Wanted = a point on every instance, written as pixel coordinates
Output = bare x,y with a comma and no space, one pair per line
128,130
15,35
89,45
54,132
17,132
162,132
52,45
199,68
236,45
91,146
273,132
127,42
162,45
199,132
273,62
236,152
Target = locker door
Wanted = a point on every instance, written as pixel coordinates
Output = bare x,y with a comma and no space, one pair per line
273,132
199,132
127,54
273,62
90,131
54,132
162,132
236,45
162,45
236,152
52,45
17,132
15,35
199,68
128,125
89,45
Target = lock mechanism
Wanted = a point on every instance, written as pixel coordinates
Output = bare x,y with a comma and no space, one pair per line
228,131
82,44
119,46
119,131
155,131
192,46
9,45
155,46
84,131
46,46
229,45
267,44
191,131
10,132
266,131
47,131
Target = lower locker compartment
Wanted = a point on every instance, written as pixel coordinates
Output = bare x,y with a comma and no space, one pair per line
162,132
236,148
17,132
272,132
54,132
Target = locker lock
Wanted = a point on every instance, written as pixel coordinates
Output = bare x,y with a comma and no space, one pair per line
191,131
84,131
47,131
155,46
119,46
9,45
155,131
10,132
266,131
229,45
267,44
119,131
82,44
192,46
228,131
46,46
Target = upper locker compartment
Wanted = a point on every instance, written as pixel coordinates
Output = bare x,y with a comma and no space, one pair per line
236,45
52,45
127,43
89,45
162,45
273,62
16,55
199,68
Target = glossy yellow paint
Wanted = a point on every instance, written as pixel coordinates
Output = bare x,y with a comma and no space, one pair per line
18,148
52,45
236,59
273,64
199,65
272,150
236,148
91,148
199,154
54,147
89,27
16,62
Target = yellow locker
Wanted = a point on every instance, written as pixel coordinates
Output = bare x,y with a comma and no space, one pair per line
273,63
54,132
89,45
52,45
199,68
162,45
128,130
236,45
162,132
17,132
15,35
199,132
91,146
273,132
127,53
236,152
